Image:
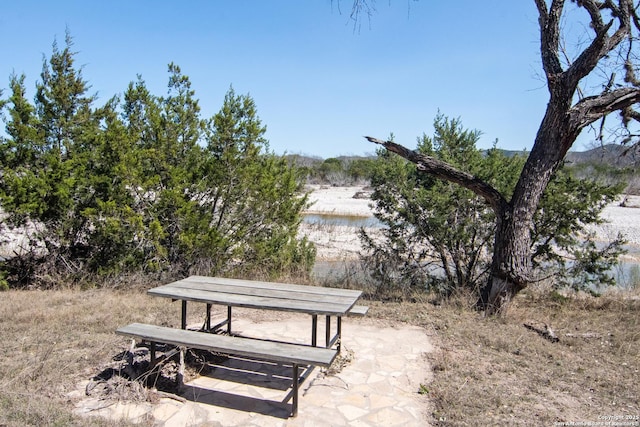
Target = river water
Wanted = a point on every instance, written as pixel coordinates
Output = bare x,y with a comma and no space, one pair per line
341,220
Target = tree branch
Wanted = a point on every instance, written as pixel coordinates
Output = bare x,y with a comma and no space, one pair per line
549,21
442,170
593,108
602,43
589,58
594,11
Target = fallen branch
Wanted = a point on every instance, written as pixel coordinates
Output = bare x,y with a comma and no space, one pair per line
171,396
545,332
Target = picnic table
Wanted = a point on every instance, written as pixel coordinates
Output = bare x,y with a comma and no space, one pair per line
312,300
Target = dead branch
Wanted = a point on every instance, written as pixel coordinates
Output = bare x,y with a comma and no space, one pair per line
545,332
443,170
171,396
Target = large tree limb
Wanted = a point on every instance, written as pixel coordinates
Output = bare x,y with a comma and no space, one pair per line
443,170
593,108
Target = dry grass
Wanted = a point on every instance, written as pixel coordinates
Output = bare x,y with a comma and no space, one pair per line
486,371
52,340
497,372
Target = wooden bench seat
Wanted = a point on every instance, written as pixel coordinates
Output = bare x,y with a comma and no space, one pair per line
358,310
294,354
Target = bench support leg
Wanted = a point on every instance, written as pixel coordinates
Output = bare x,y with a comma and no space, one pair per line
229,320
294,406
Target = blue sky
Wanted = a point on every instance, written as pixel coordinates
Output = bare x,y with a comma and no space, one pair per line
320,84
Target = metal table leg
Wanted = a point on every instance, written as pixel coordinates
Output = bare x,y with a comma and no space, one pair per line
314,330
208,318
339,332
152,350
337,338
184,314
294,409
328,332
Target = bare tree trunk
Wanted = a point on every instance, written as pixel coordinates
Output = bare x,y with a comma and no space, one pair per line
511,266
511,269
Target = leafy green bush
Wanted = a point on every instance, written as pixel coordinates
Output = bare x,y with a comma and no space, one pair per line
143,184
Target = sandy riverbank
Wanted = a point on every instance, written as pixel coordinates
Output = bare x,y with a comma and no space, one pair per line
339,200
623,218
336,242
341,242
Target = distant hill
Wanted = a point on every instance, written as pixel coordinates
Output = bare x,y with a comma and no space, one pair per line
613,154
305,160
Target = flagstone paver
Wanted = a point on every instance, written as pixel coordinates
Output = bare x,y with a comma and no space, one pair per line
378,386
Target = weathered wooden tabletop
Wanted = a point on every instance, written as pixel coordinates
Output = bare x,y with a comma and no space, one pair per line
261,295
